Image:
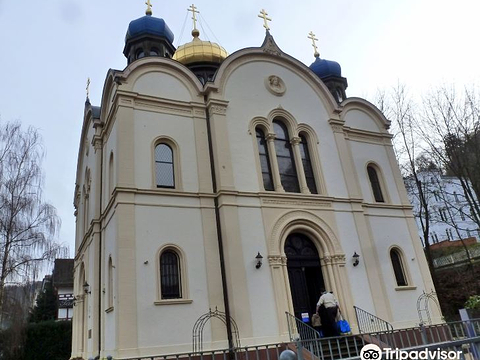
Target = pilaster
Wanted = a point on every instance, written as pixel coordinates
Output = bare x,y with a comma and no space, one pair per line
217,110
348,167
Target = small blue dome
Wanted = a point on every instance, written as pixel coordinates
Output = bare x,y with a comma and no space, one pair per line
149,25
323,68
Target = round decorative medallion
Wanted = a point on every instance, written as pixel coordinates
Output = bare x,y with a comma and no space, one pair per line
275,85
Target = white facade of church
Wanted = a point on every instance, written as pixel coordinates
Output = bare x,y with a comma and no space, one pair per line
147,214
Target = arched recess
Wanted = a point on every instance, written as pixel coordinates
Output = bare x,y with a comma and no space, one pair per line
249,55
138,69
81,305
362,105
111,175
332,259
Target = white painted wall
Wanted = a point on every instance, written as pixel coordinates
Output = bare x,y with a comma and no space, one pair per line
163,85
148,127
156,227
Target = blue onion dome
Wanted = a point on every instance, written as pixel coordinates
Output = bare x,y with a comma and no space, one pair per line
149,25
324,68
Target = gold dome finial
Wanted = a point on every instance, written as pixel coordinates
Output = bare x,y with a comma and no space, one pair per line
263,15
311,36
193,9
149,8
197,50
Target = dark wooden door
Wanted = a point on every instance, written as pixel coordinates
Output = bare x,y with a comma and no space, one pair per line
304,274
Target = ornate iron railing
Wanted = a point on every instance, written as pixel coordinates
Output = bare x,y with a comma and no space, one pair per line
369,323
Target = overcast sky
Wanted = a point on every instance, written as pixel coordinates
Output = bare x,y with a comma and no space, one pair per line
50,47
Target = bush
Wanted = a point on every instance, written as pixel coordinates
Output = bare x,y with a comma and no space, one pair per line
473,302
48,340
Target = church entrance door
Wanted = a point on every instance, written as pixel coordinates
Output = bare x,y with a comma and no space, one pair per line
304,273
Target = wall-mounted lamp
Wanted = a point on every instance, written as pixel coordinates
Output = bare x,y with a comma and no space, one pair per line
259,258
355,258
86,288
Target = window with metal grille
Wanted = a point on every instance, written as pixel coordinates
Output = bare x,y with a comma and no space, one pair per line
285,159
164,169
264,160
398,267
307,165
375,183
170,275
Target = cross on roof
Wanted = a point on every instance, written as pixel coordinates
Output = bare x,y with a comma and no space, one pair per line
311,36
194,11
263,15
88,87
149,7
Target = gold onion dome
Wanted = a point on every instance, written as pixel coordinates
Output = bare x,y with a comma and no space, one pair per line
199,51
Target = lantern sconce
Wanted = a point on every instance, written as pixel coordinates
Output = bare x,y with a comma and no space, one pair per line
259,258
355,258
86,288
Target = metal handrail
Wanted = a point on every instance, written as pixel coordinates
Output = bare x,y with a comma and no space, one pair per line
369,323
298,330
441,335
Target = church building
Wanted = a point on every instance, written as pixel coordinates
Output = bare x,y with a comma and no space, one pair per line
233,187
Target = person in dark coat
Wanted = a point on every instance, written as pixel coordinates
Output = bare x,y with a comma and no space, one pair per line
327,308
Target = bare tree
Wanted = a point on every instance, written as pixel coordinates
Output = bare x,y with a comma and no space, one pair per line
27,223
401,110
451,129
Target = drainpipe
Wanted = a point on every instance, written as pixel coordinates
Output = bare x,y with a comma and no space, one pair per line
96,125
219,232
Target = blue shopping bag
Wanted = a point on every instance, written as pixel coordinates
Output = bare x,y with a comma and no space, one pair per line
343,326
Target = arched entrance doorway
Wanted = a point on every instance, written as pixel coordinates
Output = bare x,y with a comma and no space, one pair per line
304,273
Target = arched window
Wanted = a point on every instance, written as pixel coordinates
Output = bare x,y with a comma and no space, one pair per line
375,183
154,52
110,282
285,159
164,169
398,267
264,160
110,174
307,165
140,54
170,277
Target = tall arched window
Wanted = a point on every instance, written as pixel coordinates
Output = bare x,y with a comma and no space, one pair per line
170,279
398,267
264,160
110,282
375,183
285,159
307,165
164,170
110,174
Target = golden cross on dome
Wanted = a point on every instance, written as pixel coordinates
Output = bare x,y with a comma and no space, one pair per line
263,15
149,7
194,11
88,87
311,36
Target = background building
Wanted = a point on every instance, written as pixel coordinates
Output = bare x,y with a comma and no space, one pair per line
62,278
450,214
